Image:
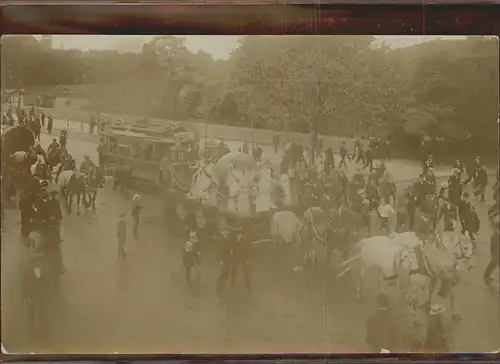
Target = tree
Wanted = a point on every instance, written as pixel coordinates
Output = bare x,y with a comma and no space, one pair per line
461,77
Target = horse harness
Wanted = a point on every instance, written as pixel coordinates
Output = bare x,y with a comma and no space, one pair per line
423,265
396,264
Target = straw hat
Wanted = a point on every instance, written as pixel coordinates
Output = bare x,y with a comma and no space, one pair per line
136,197
436,309
384,210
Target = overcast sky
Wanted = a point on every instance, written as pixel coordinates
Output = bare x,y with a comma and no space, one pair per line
218,46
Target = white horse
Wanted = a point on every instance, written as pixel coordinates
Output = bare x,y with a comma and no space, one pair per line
386,254
423,263
439,265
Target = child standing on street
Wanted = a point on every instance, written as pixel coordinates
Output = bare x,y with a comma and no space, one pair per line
121,233
191,256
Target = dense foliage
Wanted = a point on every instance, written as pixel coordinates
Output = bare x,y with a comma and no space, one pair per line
336,85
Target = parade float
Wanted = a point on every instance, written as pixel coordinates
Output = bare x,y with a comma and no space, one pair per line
234,187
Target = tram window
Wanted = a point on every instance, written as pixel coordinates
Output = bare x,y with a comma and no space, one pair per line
112,145
148,152
124,150
136,150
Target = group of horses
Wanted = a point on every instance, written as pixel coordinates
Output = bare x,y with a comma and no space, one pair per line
58,167
413,266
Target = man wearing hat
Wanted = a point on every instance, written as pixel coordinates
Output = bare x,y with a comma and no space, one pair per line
228,238
51,216
382,332
368,160
87,165
480,182
53,147
343,155
458,165
50,122
240,258
430,180
428,163
468,217
136,212
63,138
455,187
448,213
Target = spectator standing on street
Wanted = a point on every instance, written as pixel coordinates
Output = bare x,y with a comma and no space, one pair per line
448,214
42,118
368,160
382,331
480,183
360,157
191,256
465,212
276,142
136,213
50,123
241,253
100,154
387,149
63,138
227,243
92,124
343,155
495,255
455,187
121,233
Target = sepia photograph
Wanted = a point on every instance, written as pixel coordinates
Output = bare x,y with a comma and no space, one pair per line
249,194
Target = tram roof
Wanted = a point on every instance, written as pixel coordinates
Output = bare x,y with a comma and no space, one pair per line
159,136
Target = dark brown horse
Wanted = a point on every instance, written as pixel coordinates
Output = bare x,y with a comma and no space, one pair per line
73,183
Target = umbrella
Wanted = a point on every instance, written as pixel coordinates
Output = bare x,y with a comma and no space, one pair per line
17,138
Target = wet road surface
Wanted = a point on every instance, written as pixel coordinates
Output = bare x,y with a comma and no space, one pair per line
142,305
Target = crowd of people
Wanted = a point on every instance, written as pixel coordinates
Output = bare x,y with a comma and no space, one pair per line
447,203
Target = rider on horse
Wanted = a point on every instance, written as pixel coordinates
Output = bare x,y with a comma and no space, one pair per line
54,146
68,162
87,165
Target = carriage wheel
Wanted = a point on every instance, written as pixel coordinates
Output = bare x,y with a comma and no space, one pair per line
201,218
181,211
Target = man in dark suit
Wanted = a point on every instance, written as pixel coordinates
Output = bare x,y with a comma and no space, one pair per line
227,252
449,215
